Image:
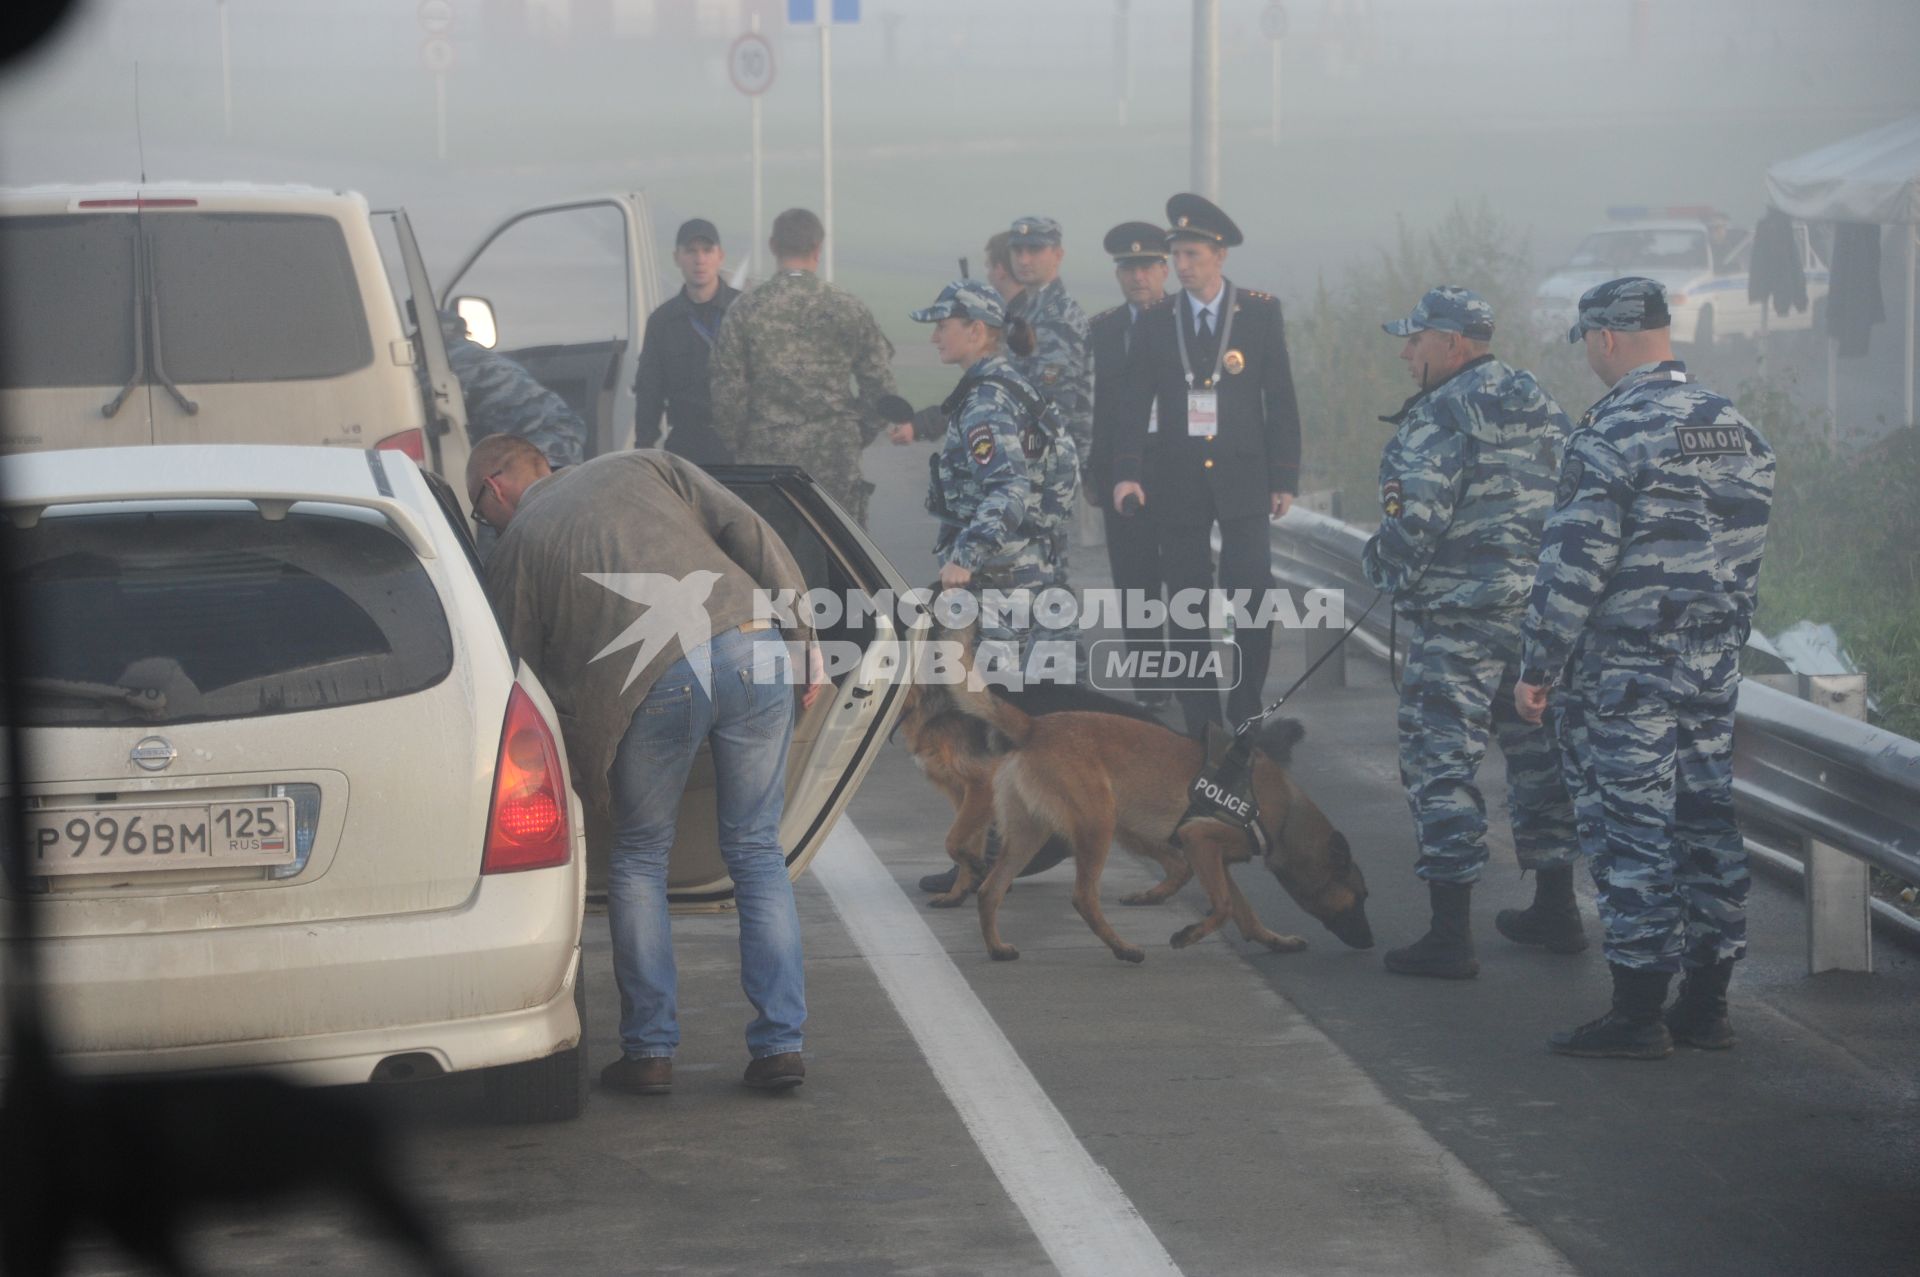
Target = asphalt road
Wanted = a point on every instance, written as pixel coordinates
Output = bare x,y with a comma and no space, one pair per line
1212,1111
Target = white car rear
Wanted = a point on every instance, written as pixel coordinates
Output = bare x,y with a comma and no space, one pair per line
289,802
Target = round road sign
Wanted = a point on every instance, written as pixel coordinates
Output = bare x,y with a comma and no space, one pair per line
1273,21
750,64
436,16
436,54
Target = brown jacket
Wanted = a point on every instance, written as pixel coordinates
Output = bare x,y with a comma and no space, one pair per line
656,530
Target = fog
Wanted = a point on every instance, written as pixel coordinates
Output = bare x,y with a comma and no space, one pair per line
952,118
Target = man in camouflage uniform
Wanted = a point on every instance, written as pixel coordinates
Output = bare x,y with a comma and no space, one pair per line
1061,365
1465,485
786,365
1649,572
504,399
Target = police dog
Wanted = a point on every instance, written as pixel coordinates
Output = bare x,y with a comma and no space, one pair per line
1094,780
960,752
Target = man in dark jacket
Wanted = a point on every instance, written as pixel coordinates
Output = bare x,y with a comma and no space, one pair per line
1209,366
674,352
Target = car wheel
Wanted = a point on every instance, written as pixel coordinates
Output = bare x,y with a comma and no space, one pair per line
551,1089
1703,330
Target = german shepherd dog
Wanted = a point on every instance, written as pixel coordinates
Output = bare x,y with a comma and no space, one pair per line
1092,779
960,752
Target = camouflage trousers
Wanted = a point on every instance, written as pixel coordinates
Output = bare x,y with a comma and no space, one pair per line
1649,758
1046,652
1457,691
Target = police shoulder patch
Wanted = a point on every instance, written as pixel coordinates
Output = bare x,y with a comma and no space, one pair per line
1710,441
980,444
1572,471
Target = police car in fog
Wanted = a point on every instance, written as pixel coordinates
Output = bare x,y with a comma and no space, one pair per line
1699,255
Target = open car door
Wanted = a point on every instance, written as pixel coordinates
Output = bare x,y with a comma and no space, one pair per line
564,290
834,741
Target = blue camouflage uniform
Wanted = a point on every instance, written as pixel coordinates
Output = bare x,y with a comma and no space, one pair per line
1465,486
1649,568
998,475
504,398
1061,365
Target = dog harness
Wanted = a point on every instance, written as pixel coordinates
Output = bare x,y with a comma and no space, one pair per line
1223,790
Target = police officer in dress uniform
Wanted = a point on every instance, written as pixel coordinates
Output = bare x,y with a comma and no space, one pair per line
1649,572
672,377
1209,369
1139,252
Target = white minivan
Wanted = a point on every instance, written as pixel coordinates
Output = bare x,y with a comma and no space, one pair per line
210,312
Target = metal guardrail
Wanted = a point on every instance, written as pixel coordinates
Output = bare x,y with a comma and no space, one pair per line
1820,776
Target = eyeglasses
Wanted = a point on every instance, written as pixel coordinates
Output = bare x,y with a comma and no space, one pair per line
480,492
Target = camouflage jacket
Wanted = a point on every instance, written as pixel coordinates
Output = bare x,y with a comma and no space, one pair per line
784,373
1659,521
503,398
985,492
1465,487
1061,365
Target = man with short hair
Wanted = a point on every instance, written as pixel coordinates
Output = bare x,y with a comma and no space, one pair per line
1139,252
644,551
674,353
1210,372
1649,574
1465,485
799,369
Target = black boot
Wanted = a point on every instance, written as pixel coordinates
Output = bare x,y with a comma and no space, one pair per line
942,883
1631,1029
1446,951
1698,1017
1552,921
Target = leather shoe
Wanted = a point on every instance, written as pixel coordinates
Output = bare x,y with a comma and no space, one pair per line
639,1075
780,1072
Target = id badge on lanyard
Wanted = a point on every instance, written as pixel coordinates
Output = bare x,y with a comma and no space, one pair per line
1203,414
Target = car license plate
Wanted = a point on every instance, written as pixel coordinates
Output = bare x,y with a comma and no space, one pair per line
91,840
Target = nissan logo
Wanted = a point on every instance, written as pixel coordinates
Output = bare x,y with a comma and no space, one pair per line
154,754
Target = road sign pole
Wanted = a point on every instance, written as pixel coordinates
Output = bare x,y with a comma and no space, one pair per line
826,147
1206,98
1275,138
226,68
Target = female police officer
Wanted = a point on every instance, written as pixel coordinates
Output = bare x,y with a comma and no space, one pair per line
1004,475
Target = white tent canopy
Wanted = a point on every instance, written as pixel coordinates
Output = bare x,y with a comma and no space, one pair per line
1871,177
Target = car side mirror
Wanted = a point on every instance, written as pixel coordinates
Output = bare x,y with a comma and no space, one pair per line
477,312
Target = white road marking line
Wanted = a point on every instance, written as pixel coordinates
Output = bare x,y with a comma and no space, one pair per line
1086,1224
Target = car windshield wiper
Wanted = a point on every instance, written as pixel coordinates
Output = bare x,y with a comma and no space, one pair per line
113,406
187,405
150,702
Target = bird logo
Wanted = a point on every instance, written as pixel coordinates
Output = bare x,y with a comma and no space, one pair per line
676,610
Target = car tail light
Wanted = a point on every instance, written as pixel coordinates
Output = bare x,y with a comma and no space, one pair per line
527,827
411,442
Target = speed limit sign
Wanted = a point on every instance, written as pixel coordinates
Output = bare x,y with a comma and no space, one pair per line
750,64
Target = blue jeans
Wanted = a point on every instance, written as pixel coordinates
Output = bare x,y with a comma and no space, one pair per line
749,721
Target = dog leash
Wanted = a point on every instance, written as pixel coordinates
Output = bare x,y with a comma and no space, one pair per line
1223,790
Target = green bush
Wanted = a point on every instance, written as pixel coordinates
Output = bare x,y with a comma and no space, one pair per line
1843,545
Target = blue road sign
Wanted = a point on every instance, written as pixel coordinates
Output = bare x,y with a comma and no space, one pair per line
808,12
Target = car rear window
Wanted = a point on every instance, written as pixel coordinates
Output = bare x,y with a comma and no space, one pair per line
241,297
66,300
256,297
176,616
